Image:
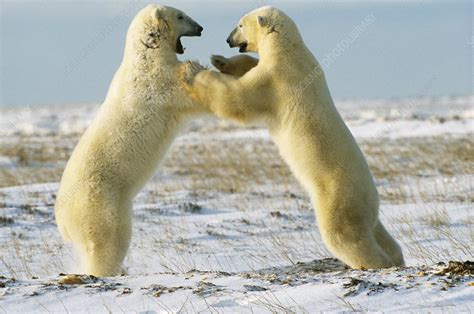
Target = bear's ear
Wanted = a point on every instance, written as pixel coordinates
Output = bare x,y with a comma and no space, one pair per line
263,21
158,13
159,18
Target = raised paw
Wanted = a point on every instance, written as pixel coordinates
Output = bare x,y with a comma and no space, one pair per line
220,62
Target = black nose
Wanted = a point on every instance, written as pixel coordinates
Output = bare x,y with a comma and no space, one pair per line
229,42
229,39
200,29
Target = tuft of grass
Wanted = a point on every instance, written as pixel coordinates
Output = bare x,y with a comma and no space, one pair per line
6,221
437,219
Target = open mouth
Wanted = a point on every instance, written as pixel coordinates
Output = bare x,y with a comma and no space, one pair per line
179,46
197,30
243,47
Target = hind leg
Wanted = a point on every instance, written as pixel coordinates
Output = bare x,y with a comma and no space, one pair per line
104,255
389,245
360,252
105,240
351,239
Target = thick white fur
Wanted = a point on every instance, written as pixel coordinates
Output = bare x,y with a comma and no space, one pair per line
288,91
145,107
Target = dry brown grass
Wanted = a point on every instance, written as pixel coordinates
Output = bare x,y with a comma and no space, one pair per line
244,165
427,156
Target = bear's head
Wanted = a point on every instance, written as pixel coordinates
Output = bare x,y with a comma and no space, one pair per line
257,25
158,26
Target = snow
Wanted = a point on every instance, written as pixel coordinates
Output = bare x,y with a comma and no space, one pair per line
391,118
213,245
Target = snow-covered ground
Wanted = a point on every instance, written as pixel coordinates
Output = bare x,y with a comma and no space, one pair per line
224,227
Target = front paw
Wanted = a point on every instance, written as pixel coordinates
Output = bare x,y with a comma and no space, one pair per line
220,62
189,70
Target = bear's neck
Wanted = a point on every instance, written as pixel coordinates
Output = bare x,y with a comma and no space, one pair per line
279,47
137,53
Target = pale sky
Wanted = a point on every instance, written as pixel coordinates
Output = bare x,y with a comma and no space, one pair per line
66,52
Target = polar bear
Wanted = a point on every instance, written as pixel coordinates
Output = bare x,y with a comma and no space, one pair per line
144,109
287,90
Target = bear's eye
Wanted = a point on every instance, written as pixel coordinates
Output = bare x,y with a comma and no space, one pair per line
240,25
180,17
